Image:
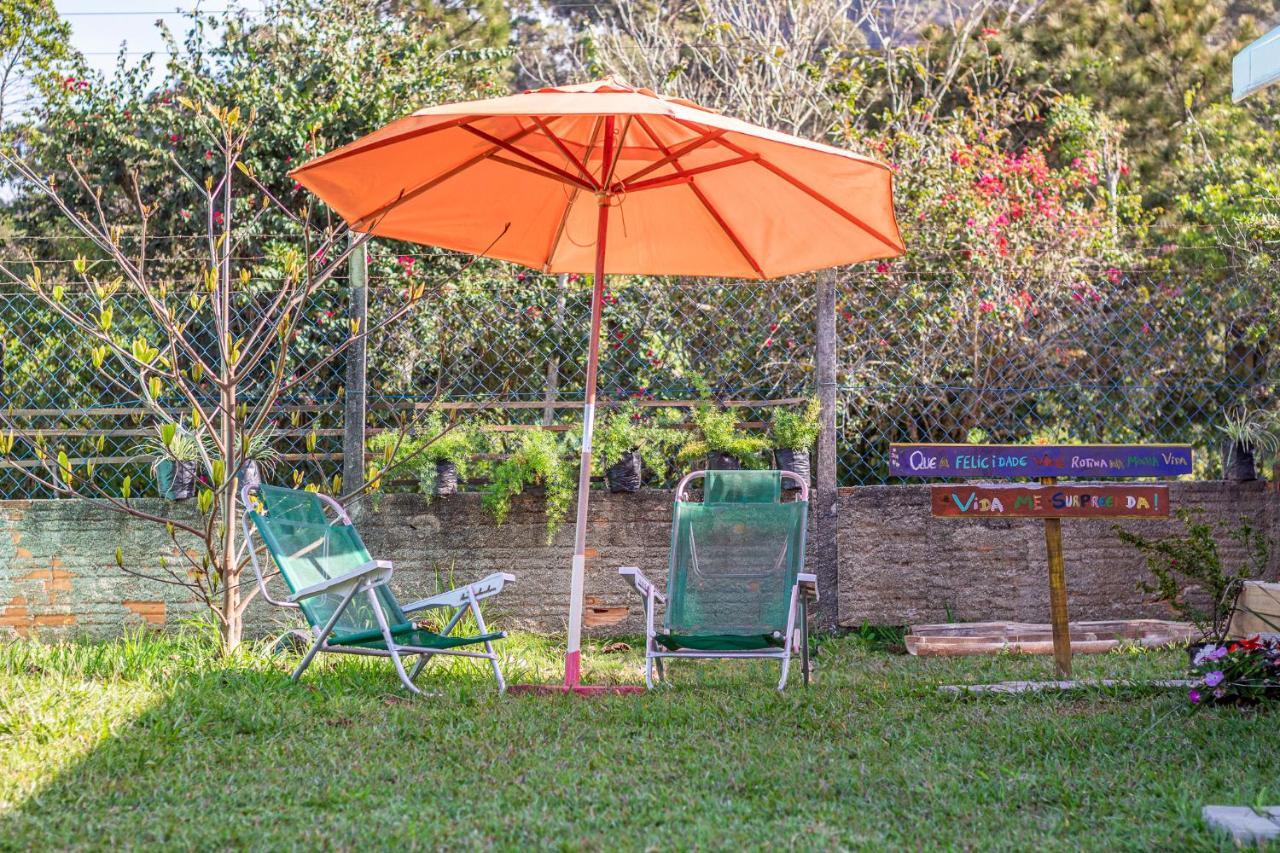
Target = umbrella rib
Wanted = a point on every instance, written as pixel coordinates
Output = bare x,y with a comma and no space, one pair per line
555,140
671,157
527,167
706,203
687,174
433,182
815,195
573,197
564,177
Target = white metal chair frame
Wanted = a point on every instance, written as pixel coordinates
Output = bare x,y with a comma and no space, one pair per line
803,594
365,580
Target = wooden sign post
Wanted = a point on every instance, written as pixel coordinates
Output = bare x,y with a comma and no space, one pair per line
1047,499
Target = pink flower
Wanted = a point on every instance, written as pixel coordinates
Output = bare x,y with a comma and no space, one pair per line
1113,275
882,267
405,261
986,306
989,32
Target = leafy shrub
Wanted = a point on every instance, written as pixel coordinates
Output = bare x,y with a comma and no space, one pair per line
1190,566
716,430
792,430
535,460
627,428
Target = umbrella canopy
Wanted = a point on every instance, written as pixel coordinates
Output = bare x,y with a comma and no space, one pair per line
696,192
607,178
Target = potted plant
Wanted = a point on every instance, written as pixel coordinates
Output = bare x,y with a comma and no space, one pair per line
792,434
435,459
258,457
1189,575
718,445
175,457
536,460
447,449
626,446
1250,433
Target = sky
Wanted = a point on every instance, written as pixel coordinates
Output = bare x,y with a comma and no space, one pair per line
99,27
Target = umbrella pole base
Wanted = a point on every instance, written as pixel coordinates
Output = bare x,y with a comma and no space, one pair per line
577,689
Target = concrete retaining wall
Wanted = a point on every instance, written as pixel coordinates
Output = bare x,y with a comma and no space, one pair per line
896,565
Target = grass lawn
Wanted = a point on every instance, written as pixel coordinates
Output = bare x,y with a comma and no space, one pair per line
150,741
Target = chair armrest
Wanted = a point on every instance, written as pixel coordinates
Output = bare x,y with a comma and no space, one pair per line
369,569
808,584
640,583
486,587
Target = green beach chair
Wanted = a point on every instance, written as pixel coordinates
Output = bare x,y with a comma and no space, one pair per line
343,592
736,586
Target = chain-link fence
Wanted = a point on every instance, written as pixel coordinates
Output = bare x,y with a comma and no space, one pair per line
921,357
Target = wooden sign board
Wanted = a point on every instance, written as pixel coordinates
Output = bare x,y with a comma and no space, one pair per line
1004,461
1050,501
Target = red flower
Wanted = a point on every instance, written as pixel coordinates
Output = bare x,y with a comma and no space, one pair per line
217,217
882,267
989,32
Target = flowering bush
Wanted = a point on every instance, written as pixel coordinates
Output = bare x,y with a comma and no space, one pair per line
1246,670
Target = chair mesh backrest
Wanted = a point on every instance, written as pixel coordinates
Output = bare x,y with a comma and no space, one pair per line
308,549
734,559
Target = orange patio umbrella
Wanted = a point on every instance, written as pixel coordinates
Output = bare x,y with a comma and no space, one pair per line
605,178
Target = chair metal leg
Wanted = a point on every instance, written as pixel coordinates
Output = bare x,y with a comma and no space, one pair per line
423,660
488,644
324,634
390,641
805,669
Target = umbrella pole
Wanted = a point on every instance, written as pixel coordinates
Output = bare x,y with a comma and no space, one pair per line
573,655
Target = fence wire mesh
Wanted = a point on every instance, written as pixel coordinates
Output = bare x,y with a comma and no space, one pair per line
1140,357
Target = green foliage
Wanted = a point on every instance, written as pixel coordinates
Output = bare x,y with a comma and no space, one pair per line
716,430
536,459
790,430
35,52
1189,573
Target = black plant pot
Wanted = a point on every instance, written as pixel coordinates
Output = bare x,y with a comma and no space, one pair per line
446,479
717,461
250,475
1237,463
795,461
177,480
625,474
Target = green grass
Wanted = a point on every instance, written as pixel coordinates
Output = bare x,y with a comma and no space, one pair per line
153,742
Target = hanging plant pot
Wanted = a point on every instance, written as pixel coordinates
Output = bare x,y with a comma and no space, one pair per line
718,461
795,461
1237,463
446,479
177,480
625,474
250,475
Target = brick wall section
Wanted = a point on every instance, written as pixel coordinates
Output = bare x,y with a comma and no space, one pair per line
897,565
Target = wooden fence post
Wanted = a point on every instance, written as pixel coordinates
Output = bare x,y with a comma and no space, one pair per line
825,506
354,407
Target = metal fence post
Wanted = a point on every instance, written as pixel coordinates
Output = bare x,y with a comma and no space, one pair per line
826,507
354,407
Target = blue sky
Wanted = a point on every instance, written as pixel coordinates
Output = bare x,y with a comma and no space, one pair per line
99,27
